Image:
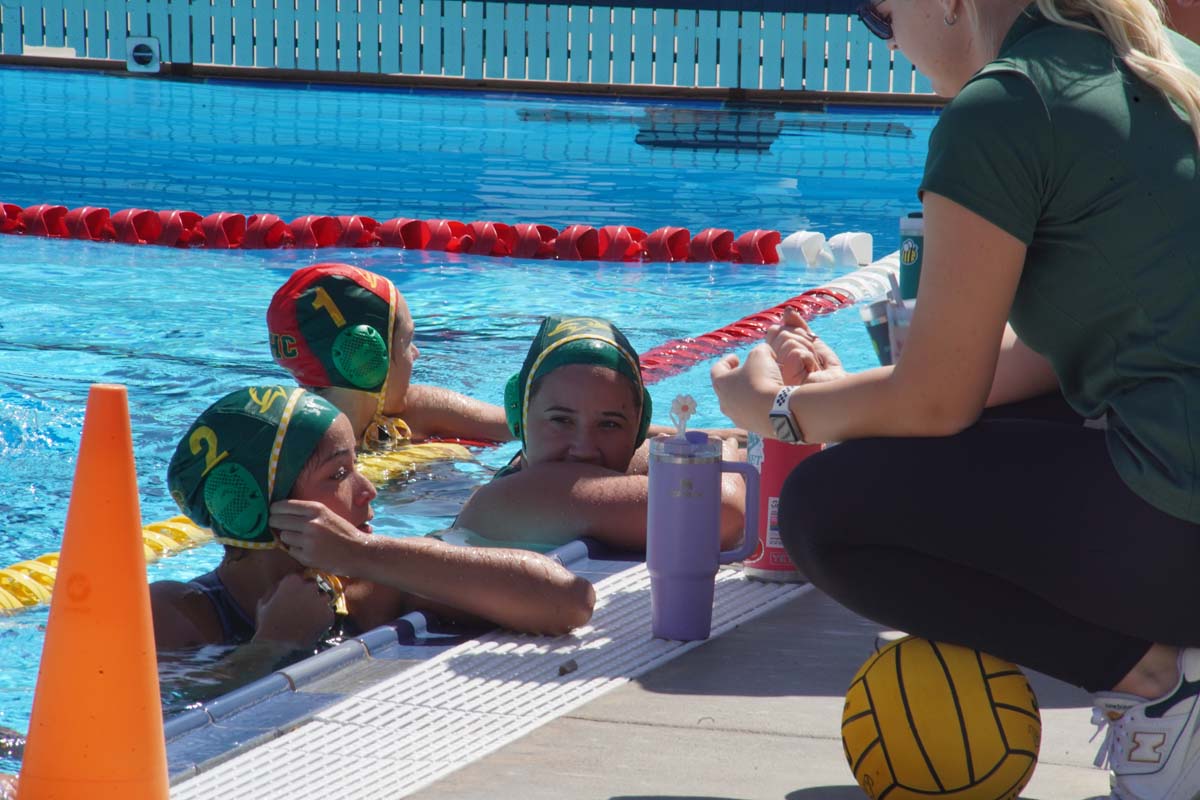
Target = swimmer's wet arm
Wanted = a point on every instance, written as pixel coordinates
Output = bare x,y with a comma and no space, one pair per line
434,411
516,589
556,502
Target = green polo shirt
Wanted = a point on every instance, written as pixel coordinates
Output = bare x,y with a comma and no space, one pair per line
1057,143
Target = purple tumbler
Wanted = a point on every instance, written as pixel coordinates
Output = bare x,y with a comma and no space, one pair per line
683,531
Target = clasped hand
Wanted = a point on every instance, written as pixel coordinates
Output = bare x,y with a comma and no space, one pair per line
791,356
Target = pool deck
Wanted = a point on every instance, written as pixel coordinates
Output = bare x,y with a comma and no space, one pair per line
753,713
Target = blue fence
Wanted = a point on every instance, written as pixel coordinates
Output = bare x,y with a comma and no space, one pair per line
800,46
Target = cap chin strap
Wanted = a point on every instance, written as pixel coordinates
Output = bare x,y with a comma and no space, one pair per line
384,432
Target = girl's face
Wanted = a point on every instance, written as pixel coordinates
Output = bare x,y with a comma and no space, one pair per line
583,413
403,353
330,477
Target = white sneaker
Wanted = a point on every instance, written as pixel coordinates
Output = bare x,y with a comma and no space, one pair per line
1152,747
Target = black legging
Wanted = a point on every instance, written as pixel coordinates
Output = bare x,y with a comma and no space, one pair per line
1015,537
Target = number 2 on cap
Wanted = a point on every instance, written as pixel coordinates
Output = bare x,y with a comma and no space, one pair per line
205,438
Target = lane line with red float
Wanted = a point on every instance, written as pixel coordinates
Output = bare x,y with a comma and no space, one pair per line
226,230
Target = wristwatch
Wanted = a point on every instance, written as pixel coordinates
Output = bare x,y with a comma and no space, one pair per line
784,424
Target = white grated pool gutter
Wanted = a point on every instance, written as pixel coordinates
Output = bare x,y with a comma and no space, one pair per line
404,732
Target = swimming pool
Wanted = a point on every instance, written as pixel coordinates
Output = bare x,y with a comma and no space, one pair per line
181,327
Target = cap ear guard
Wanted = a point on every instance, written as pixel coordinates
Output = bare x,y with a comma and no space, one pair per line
361,355
644,423
512,405
235,501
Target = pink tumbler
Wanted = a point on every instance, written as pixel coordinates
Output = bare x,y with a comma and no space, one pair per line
683,531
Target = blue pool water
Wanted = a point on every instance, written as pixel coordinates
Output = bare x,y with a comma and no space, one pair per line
180,328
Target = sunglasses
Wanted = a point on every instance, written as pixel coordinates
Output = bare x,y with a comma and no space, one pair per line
876,23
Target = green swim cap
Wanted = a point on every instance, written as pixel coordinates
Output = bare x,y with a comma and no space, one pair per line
244,453
573,340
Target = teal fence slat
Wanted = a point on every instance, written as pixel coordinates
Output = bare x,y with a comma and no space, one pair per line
160,25
814,52
35,28
243,33
327,35
860,56
643,46
493,40
472,40
56,28
284,43
179,13
410,36
138,16
772,50
793,51
836,78
10,16
685,48
268,33
368,53
452,40
902,73
557,48
664,47
306,34
389,28
750,41
347,35
622,45
881,67
222,32
532,43
431,21
199,26
727,48
601,56
76,26
706,49
579,46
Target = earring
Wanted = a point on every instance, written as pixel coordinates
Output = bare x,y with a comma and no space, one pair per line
950,21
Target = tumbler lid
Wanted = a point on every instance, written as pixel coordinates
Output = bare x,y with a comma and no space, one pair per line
693,445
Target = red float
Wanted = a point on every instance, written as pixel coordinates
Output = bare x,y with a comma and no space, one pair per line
534,240
411,234
266,231
45,220
490,239
358,231
223,230
621,243
757,247
180,228
10,218
136,226
313,230
711,244
447,235
577,243
667,244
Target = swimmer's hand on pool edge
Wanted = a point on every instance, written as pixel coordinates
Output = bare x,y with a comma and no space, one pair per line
517,589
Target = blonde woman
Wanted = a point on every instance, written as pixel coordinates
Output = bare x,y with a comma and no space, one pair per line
1061,194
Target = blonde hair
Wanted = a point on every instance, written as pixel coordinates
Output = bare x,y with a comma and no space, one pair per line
1138,35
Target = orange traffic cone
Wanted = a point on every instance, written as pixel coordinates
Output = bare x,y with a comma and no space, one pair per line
96,730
